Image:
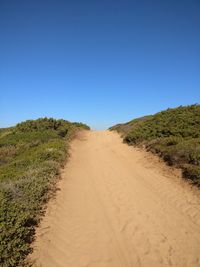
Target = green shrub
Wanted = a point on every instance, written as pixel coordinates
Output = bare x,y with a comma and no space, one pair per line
31,155
174,134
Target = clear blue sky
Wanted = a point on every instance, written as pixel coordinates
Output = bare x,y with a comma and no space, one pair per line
99,62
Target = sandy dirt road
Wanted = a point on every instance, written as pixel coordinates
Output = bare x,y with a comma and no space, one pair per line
115,209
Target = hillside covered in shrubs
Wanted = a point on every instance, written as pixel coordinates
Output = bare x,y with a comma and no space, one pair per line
31,154
174,134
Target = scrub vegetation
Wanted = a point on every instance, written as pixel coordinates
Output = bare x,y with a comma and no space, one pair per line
174,134
31,155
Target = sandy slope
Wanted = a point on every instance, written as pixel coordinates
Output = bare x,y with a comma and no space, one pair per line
114,208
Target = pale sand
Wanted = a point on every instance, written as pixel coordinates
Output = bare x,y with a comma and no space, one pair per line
117,208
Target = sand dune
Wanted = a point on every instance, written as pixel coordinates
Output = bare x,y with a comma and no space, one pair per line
115,208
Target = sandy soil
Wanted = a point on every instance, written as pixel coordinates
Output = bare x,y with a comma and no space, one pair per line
118,207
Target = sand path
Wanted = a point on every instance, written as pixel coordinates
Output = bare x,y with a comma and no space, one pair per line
116,209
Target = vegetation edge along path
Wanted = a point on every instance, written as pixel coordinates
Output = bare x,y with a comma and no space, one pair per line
31,156
173,134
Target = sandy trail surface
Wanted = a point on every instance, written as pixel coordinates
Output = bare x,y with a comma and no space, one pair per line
116,209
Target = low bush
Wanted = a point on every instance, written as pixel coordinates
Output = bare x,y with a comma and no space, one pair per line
31,155
174,134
